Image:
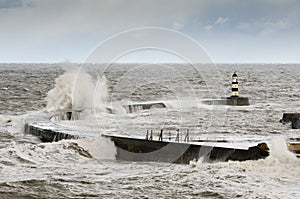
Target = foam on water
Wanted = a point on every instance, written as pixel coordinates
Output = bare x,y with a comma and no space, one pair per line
184,103
4,119
272,177
26,161
279,156
14,125
100,148
280,163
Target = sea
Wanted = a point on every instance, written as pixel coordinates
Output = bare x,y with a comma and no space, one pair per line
30,168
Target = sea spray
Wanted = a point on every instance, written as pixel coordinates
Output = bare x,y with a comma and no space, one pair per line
100,94
83,90
280,158
100,148
279,152
281,163
13,125
60,97
76,89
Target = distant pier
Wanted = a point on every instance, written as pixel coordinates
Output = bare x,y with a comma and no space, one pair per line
229,101
293,118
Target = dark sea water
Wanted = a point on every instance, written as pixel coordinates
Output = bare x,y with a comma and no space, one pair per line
31,169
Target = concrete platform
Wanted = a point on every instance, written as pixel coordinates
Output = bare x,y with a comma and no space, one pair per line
138,149
134,107
229,101
289,117
133,149
41,126
294,147
293,118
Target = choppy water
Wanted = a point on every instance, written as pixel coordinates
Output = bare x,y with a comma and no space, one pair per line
30,169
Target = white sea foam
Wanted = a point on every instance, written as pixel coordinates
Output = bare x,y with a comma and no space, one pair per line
4,119
272,177
280,153
280,158
100,148
13,124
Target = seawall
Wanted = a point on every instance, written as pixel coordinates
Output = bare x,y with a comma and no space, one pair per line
41,125
229,101
134,149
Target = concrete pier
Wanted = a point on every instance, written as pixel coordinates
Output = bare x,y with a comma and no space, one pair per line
294,147
135,149
288,117
293,118
41,126
230,101
134,107
296,124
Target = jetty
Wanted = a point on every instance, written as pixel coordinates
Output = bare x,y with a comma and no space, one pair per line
135,149
229,101
142,149
293,118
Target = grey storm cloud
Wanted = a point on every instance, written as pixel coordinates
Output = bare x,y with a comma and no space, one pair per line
6,4
10,3
115,15
65,25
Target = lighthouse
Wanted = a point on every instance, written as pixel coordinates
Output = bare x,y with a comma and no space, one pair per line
234,99
235,85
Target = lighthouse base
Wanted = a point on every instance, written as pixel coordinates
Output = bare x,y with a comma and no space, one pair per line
230,101
237,101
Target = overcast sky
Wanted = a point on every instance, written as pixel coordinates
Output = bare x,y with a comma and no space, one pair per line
230,30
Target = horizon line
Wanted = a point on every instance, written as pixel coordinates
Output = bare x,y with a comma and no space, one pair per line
138,62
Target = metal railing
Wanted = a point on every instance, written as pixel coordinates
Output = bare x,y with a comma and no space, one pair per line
177,137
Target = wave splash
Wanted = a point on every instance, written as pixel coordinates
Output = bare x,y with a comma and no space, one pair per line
280,153
76,89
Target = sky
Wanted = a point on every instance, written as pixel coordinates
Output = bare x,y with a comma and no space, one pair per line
230,31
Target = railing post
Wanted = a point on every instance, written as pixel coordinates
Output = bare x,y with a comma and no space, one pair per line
161,135
187,136
177,136
151,135
69,115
